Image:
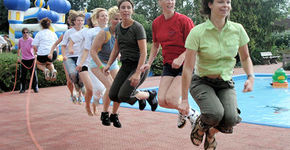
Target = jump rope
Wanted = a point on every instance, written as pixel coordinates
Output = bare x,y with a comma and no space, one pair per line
28,101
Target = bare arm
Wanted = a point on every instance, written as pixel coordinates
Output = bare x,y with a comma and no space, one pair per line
35,49
143,53
248,67
189,63
18,53
114,54
153,53
83,58
177,62
96,47
135,78
54,46
63,47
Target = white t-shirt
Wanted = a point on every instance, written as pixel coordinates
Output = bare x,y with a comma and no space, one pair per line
90,36
79,38
65,42
44,40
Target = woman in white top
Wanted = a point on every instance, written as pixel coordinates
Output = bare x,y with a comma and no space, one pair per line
42,44
76,20
84,38
101,49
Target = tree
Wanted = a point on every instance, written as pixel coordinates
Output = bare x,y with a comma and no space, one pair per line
4,25
101,4
258,17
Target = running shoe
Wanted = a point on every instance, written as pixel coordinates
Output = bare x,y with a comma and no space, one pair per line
181,120
193,117
114,118
105,119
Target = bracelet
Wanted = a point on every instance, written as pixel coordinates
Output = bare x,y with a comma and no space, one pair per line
250,75
101,67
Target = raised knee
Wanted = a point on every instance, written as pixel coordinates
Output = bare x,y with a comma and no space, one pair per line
113,96
123,98
161,101
213,118
231,120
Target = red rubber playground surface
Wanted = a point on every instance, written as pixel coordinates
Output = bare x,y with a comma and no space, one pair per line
52,122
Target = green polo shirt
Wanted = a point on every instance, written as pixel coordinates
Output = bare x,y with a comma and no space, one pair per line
216,50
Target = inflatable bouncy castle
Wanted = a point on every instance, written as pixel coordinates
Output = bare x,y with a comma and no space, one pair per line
19,11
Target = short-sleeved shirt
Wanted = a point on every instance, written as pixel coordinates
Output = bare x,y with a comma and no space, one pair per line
26,48
108,46
44,40
171,34
79,38
90,36
128,41
65,42
216,50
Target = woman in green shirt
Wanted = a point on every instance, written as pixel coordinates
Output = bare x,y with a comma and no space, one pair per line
211,50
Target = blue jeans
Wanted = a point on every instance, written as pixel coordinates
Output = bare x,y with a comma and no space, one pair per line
70,65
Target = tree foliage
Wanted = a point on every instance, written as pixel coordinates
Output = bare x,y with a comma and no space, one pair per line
4,25
258,17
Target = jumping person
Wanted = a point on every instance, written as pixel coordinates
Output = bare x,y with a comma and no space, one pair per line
211,50
101,49
69,83
131,43
85,57
42,44
169,31
76,20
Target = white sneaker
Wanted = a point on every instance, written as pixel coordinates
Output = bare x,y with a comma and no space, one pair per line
181,120
193,117
53,75
46,74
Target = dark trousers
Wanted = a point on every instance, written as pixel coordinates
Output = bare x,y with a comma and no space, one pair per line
217,101
121,90
23,74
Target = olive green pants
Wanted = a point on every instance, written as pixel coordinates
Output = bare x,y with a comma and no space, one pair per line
217,101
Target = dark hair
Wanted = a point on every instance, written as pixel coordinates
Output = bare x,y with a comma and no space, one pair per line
45,23
122,1
205,10
24,29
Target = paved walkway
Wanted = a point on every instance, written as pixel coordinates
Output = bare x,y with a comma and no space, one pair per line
57,124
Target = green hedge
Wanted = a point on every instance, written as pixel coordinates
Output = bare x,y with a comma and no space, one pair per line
7,73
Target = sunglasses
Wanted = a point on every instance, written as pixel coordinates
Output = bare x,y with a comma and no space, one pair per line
25,32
